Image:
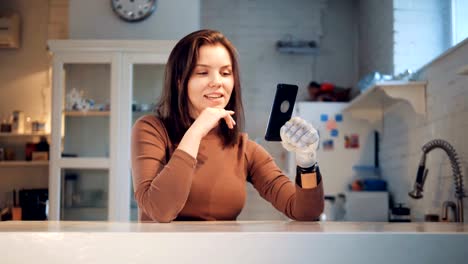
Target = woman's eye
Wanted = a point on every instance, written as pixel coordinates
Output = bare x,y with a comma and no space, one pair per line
227,73
201,73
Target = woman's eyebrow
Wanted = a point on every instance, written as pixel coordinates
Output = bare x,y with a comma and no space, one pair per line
209,66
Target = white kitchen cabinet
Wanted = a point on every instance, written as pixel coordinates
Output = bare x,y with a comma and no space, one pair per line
89,175
371,104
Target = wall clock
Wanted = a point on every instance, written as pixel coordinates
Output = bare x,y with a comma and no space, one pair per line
133,10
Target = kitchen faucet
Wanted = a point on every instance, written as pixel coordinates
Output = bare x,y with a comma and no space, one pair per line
416,193
445,207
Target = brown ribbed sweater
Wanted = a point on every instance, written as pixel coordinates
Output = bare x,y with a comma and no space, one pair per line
172,185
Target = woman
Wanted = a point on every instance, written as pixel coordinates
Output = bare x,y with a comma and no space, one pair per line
191,162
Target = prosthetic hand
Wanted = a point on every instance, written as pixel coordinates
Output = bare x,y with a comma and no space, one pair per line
300,137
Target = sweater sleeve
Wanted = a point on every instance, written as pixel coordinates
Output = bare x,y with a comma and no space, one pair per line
295,202
161,189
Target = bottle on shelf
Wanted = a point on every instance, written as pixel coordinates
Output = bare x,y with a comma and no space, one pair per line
42,150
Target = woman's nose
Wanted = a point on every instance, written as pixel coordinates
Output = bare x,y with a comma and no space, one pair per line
217,83
216,80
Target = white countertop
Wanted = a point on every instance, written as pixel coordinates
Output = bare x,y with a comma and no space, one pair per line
233,242
236,226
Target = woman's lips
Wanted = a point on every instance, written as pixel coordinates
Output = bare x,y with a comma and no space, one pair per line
214,97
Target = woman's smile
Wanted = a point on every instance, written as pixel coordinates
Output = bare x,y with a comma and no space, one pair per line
215,98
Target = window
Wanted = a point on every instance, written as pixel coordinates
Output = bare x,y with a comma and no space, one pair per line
459,21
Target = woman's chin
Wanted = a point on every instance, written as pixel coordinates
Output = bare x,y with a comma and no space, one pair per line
219,105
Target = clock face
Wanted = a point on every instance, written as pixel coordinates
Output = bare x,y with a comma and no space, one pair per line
133,10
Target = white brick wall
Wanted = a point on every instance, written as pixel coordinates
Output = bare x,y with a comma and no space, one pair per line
254,26
375,37
404,133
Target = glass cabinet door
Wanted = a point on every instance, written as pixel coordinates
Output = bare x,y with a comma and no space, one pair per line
84,195
86,134
86,110
82,171
147,84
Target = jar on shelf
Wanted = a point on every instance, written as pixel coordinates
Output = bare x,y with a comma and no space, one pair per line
5,126
17,122
28,125
38,126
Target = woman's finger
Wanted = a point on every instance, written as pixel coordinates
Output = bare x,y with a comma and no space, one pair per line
233,121
229,120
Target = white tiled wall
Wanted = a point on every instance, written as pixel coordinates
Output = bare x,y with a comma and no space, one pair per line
375,36
254,26
404,133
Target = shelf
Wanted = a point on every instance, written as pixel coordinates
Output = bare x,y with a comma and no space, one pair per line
87,113
37,134
463,70
24,163
84,163
298,50
371,104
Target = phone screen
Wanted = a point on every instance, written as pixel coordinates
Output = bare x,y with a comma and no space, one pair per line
281,111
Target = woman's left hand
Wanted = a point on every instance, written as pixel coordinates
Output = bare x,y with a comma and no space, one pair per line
301,137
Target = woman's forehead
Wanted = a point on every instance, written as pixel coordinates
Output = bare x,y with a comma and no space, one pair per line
211,53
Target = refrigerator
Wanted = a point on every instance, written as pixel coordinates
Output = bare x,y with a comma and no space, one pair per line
347,151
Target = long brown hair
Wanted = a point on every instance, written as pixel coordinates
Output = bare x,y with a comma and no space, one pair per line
173,107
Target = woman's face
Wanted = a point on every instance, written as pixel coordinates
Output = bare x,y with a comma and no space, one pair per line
212,80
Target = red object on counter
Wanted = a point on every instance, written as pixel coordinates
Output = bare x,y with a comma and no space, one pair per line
327,87
356,185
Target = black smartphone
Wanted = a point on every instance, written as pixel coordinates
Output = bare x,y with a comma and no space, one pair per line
281,111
